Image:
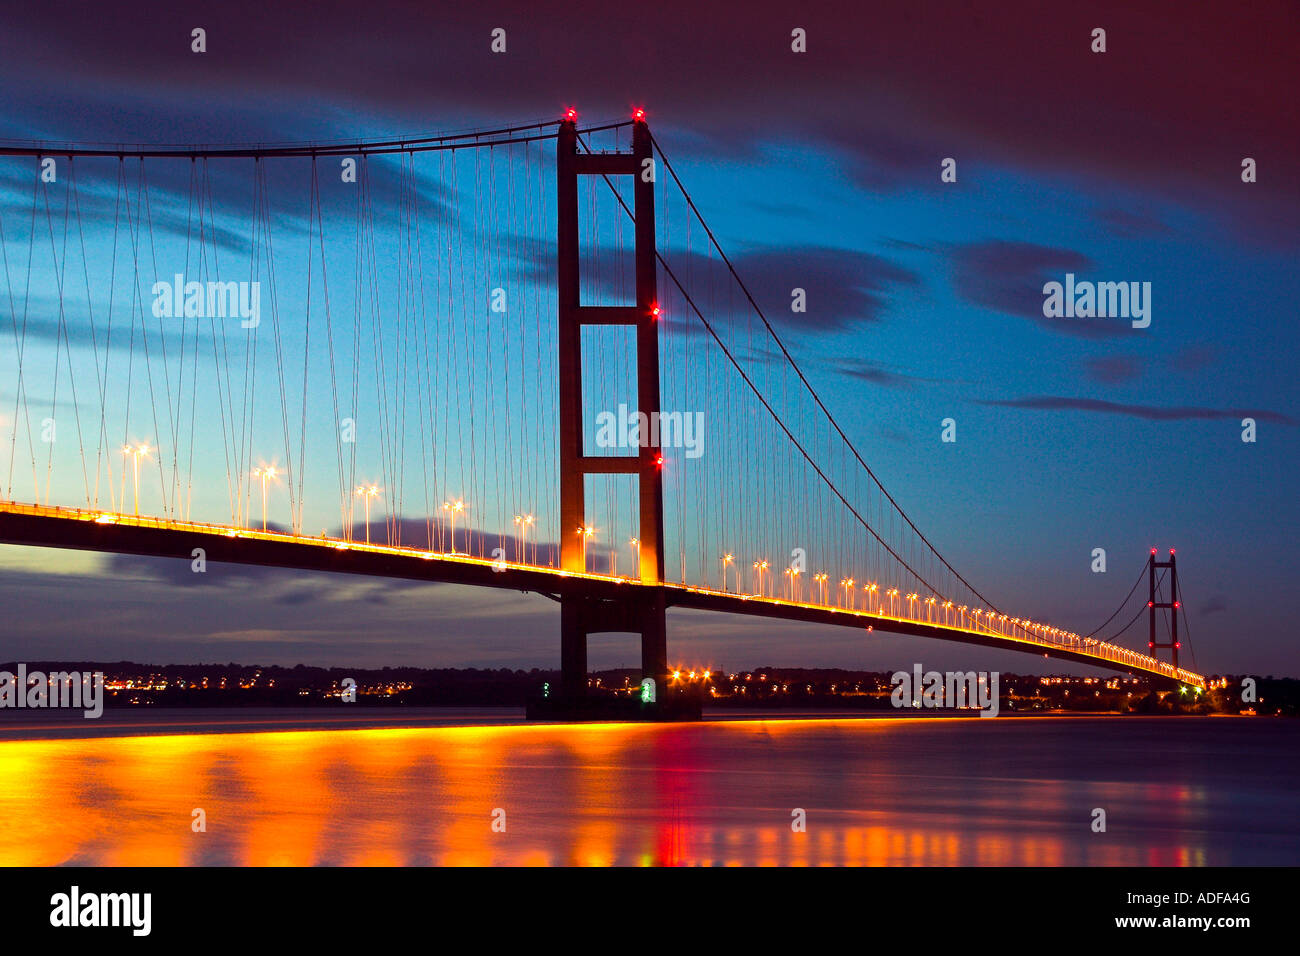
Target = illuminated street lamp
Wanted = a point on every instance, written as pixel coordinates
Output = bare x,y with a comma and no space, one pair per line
793,575
871,589
367,492
635,545
453,508
135,453
726,559
267,473
892,594
947,613
847,584
586,533
523,523
759,568
929,611
911,604
820,578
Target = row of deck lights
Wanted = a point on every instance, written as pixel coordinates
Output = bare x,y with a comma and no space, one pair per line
992,622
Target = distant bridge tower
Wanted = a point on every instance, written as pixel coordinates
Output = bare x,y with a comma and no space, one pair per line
1172,605
582,616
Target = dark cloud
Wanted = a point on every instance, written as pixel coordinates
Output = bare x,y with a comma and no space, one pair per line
873,372
1113,369
212,204
894,87
157,609
908,245
1009,277
1154,413
179,573
72,330
1215,604
94,194
888,156
1193,358
843,288
79,327
296,596
1128,224
889,433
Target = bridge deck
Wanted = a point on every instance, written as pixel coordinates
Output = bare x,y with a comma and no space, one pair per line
93,530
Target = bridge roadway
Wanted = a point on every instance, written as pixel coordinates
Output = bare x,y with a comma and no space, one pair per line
93,530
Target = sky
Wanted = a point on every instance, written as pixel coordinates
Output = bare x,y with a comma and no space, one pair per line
821,170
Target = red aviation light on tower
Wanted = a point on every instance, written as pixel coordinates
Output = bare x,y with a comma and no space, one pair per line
570,115
1153,550
659,461
638,115
655,311
1171,552
1151,603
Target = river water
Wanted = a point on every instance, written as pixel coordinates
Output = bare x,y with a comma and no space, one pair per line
889,791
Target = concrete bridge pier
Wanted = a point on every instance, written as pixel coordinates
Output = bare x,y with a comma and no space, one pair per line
580,617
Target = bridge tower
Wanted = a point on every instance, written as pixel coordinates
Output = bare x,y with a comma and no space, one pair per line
581,616
1172,605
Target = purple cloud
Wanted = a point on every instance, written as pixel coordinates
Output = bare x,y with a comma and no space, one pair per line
1112,369
894,88
1009,276
1153,413
1127,224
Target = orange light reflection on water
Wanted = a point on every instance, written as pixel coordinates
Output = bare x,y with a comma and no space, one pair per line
718,793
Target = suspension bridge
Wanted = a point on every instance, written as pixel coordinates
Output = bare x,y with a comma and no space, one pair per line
486,358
